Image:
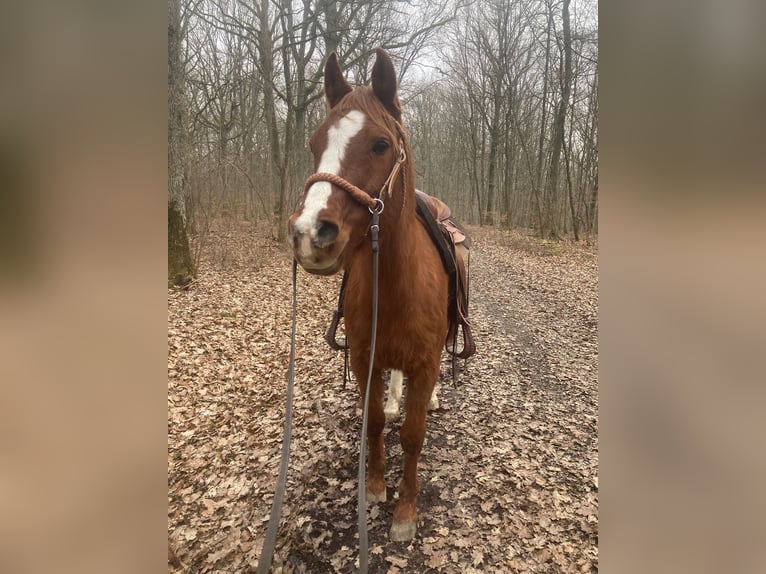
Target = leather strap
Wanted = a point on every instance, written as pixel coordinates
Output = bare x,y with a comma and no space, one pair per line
267,553
362,486
436,235
337,315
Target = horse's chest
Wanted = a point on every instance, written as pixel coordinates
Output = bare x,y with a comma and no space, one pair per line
403,325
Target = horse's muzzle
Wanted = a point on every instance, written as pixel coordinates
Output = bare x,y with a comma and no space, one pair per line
317,251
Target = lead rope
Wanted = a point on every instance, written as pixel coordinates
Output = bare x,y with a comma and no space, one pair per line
362,478
375,205
264,564
267,553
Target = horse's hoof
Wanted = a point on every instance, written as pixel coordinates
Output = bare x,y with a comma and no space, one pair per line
373,498
392,415
403,531
433,404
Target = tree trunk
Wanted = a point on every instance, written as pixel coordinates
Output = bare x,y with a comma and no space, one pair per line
593,159
573,214
509,166
558,125
594,205
180,263
494,137
538,185
266,57
489,218
332,30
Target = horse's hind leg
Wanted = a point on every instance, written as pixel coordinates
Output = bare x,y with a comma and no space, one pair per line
394,395
433,403
376,453
412,434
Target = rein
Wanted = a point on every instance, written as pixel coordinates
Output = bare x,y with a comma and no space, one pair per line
264,564
375,205
362,478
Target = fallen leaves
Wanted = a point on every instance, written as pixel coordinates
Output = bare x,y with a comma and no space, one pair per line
437,560
509,469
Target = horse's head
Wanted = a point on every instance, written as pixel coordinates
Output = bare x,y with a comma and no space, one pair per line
360,141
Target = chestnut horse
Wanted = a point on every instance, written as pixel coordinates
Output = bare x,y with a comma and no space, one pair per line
361,152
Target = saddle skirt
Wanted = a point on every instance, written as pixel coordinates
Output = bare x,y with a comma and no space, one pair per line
442,213
453,242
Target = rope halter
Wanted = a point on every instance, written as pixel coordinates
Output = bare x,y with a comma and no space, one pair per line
374,204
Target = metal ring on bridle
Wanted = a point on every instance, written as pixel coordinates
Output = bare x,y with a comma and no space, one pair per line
378,204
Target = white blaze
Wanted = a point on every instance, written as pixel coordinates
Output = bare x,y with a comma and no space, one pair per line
338,137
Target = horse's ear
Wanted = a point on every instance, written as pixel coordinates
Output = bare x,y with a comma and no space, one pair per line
335,85
384,83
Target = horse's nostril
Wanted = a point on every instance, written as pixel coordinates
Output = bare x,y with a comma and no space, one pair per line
327,232
295,235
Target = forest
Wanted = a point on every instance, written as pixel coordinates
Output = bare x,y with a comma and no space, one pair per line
500,100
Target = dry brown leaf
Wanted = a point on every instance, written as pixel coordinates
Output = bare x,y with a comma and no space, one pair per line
399,561
477,556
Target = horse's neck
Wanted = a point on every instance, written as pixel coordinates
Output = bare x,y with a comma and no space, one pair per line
398,245
397,239
398,232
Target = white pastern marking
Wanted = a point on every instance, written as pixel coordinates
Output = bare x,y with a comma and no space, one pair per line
433,404
318,194
394,395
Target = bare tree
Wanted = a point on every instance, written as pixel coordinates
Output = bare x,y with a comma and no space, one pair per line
557,141
500,100
180,263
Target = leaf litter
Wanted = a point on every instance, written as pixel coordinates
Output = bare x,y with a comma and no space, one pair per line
509,470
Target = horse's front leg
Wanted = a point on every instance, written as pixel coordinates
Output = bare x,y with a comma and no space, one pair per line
376,452
412,433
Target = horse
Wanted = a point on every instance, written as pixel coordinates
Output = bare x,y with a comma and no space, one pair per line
363,163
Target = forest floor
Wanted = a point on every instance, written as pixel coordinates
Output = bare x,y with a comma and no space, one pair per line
509,470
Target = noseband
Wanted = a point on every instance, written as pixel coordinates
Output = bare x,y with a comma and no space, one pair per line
356,192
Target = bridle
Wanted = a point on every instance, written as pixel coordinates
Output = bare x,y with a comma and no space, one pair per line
375,205
372,203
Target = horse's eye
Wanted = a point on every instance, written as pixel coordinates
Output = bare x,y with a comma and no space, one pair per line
380,147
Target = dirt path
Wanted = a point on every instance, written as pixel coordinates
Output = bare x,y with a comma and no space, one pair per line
509,470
